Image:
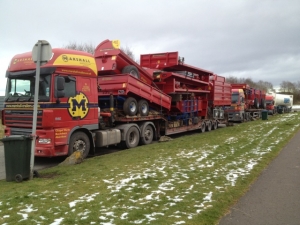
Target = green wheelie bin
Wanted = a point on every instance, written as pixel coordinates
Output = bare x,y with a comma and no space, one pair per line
264,115
17,153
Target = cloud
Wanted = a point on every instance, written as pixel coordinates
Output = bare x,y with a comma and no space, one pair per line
257,39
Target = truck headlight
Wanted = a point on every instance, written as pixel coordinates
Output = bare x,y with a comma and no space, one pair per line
44,140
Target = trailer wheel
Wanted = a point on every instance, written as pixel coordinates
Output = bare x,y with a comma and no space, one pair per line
130,106
132,137
148,135
202,128
262,104
214,125
132,70
143,107
79,142
208,126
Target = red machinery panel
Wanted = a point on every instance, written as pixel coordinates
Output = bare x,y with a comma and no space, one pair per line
220,91
110,59
170,61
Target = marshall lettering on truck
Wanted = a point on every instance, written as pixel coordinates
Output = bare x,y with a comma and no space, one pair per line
88,101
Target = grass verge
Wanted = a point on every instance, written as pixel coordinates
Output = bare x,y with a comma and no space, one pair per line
193,179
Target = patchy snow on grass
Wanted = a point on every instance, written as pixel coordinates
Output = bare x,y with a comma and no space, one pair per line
167,187
85,198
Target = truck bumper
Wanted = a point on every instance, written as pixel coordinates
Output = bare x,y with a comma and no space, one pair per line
235,117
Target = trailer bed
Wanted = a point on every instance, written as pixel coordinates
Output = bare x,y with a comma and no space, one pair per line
127,85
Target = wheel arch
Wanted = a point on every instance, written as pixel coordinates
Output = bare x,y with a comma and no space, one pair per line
88,133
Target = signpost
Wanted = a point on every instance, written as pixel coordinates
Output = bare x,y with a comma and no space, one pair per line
41,54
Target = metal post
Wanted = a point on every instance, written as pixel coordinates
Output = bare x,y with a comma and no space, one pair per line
36,98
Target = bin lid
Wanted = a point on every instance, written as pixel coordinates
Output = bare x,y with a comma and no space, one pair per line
16,138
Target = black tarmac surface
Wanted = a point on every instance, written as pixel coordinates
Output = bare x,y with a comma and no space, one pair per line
275,197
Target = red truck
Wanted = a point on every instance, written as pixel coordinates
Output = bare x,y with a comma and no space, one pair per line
270,101
88,101
247,103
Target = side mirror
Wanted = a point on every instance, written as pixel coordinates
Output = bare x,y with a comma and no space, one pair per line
59,87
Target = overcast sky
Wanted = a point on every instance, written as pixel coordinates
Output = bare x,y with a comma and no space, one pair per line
250,38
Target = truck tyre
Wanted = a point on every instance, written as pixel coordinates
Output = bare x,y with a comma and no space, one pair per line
143,107
202,128
208,126
132,70
262,104
148,135
130,106
132,137
256,103
214,125
79,141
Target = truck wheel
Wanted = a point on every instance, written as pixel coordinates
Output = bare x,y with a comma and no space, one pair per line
208,126
264,104
130,106
79,142
148,135
132,137
143,107
202,128
132,70
214,125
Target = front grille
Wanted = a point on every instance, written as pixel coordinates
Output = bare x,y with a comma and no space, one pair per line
21,118
20,131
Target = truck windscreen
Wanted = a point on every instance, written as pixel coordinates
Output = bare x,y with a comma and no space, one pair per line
234,98
22,88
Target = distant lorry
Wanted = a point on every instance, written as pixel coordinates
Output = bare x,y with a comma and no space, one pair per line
283,102
87,101
246,103
270,101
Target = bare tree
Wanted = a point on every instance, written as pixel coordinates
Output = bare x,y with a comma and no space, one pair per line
90,48
287,87
232,80
128,52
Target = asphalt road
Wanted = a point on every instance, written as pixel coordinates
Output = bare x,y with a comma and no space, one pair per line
275,197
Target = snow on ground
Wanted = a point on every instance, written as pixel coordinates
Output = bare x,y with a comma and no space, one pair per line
190,179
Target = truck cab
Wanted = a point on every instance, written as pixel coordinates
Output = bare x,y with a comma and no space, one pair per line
270,104
236,112
67,101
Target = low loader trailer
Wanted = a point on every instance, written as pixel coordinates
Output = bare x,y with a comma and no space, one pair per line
88,101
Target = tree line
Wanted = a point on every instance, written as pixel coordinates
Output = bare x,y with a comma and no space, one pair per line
286,87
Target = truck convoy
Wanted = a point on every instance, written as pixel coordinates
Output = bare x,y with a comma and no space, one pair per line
247,103
87,101
280,103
